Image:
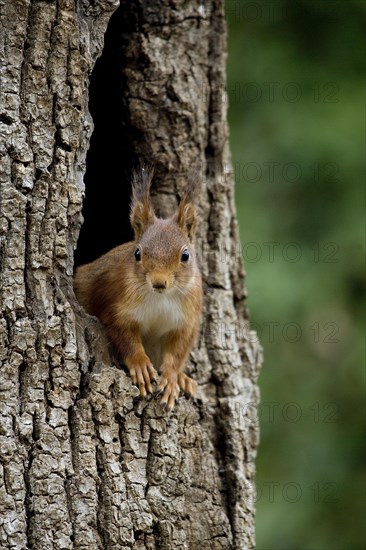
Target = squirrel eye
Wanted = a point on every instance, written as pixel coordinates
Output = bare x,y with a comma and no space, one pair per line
138,255
185,255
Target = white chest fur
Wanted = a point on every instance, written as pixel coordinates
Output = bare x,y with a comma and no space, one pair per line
158,314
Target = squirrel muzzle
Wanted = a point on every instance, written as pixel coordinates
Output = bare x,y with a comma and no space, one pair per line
159,281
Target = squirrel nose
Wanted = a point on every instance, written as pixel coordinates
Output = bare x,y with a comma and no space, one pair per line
161,285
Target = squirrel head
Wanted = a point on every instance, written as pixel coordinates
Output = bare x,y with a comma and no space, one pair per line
164,255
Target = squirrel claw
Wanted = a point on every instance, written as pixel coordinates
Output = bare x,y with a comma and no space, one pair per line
167,408
143,376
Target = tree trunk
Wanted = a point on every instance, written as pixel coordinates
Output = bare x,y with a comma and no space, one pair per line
84,464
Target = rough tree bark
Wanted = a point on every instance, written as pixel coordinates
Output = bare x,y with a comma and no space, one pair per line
83,463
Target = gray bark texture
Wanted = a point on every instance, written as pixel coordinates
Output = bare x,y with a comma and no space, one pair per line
84,464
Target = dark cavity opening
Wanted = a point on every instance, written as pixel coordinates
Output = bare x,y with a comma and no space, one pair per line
111,157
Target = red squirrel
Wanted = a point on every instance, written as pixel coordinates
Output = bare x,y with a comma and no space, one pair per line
148,293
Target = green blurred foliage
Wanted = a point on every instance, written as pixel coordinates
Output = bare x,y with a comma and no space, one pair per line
296,115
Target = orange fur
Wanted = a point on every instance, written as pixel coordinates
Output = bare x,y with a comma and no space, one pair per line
151,308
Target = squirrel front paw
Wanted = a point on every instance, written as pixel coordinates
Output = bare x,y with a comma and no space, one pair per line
170,389
187,384
142,373
170,385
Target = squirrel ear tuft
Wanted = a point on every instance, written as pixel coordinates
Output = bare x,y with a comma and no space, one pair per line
142,213
186,219
186,214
